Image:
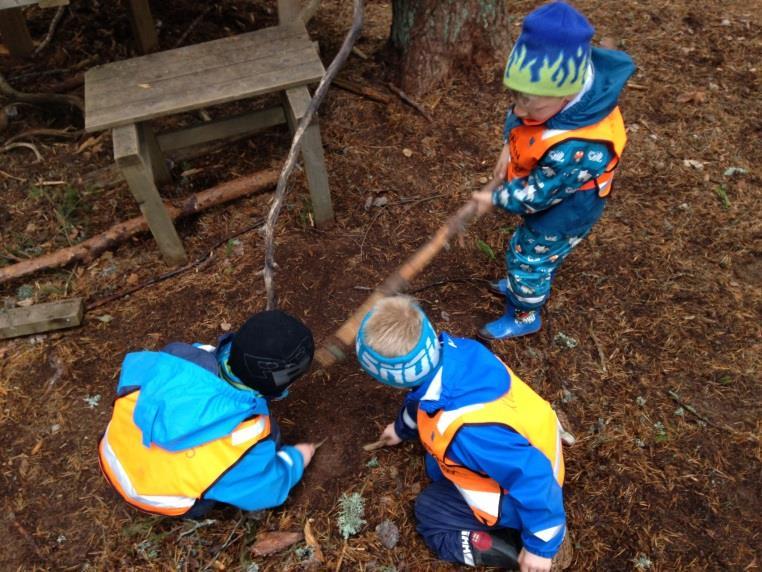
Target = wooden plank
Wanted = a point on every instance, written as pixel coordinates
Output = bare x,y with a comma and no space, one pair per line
159,169
221,129
14,32
129,152
41,318
8,4
297,101
143,26
52,3
235,49
288,11
201,90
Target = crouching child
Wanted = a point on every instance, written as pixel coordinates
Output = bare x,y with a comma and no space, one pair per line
191,425
493,446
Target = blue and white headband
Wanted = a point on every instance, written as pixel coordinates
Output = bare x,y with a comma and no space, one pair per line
410,370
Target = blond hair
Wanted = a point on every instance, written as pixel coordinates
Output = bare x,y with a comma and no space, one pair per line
395,326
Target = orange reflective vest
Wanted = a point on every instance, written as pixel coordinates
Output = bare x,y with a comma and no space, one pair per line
530,143
520,409
165,482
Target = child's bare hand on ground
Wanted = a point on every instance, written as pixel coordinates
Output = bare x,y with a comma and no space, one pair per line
529,562
389,436
501,167
307,450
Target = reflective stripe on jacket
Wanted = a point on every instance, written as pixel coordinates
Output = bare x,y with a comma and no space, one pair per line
521,410
164,482
530,143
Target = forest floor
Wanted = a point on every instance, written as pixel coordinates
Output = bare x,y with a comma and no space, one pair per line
664,296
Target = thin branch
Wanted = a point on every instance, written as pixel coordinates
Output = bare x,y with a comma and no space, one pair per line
676,398
47,133
407,99
196,263
193,24
51,30
56,98
296,144
10,146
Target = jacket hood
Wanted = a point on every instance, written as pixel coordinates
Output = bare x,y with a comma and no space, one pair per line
469,374
182,405
612,69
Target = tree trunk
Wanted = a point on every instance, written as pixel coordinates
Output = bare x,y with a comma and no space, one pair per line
437,36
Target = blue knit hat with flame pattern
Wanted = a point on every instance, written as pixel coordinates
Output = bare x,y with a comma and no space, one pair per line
552,54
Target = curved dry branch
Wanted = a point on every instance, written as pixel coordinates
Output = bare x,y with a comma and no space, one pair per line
296,144
55,98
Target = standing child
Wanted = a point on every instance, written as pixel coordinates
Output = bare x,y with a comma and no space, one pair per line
493,446
191,425
563,138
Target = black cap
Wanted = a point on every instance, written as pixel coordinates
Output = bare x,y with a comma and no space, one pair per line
270,351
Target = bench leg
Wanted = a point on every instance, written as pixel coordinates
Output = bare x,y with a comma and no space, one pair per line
288,11
15,33
131,157
296,101
158,164
143,26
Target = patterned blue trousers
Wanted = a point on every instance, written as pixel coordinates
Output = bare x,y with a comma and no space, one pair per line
542,243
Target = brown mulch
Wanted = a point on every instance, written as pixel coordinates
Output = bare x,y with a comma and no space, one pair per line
665,295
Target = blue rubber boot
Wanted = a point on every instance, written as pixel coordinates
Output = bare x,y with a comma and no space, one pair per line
513,324
499,287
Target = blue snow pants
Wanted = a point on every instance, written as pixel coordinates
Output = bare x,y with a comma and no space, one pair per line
542,243
444,520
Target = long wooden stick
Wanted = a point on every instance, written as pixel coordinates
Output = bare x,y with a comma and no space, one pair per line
93,247
334,348
296,145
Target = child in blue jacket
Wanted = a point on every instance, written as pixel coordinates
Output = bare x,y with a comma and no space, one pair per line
191,425
563,139
493,446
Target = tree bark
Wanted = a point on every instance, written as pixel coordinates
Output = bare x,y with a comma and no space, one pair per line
436,37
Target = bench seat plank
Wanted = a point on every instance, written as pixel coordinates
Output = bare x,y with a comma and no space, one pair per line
198,76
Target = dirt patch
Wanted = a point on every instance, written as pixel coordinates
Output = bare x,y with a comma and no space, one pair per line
663,296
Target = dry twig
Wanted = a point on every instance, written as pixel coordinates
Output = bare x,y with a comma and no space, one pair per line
55,98
155,280
296,144
51,30
193,24
406,98
10,146
358,89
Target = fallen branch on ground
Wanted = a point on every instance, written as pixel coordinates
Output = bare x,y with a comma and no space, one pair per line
55,98
296,144
42,132
93,247
155,280
358,89
406,98
51,30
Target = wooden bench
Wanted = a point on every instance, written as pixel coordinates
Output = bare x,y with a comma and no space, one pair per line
124,96
13,27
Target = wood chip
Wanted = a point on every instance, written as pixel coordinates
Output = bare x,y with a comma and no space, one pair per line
309,538
272,542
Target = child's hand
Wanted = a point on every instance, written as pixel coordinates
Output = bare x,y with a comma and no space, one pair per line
529,562
307,450
483,198
502,163
389,436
